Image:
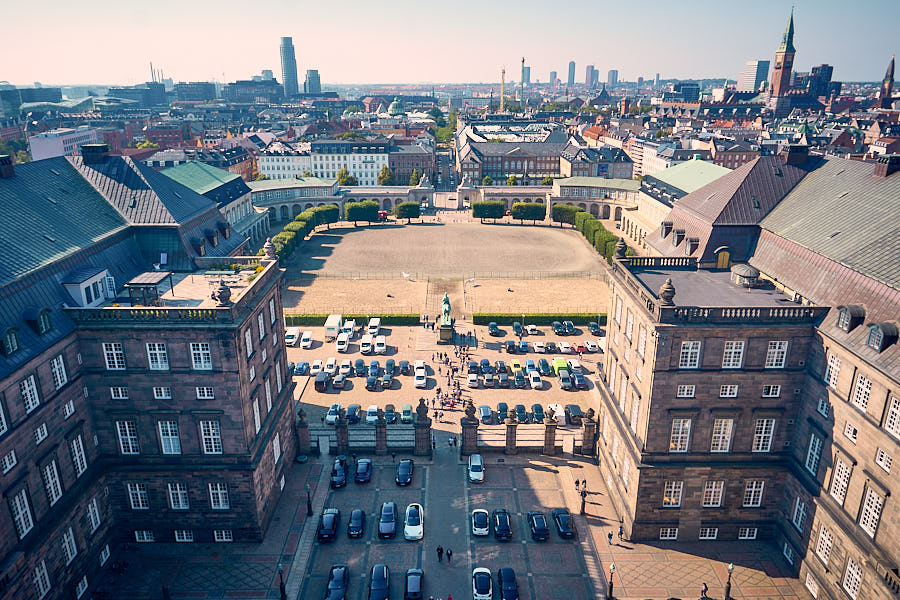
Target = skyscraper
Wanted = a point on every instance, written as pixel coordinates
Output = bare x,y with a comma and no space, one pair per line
588,74
552,78
312,85
571,80
288,67
656,81
753,75
612,77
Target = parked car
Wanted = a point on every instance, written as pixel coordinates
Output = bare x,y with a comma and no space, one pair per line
537,413
306,340
291,336
544,367
573,414
521,413
472,380
387,381
481,523
594,328
517,328
472,367
558,328
406,414
338,579
569,326
523,346
565,348
502,525
494,330
356,526
590,346
537,523
575,366
419,364
414,523
551,347
539,347
390,413
532,330
353,415
359,367
475,468
534,379
320,382
339,381
316,367
387,521
506,581
372,414
565,527
346,367
499,367
380,583
515,365
339,472
301,368
530,366
519,380
421,379
485,366
371,382
502,412
510,346
334,411
328,525
503,380
579,347
414,588
404,367
374,368
580,381
565,380
330,365
363,471
380,345
389,366
485,415
488,380
405,472
482,584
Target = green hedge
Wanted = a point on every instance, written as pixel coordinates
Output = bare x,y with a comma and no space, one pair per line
535,319
297,319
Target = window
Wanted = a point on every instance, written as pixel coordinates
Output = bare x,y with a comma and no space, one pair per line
212,437
813,453
256,422
747,533
771,391
681,431
168,437
831,371
690,355
157,356
40,434
892,420
686,391
143,535
272,310
642,341
138,496
798,517
605,431
115,356
278,377
861,392
184,535
824,543
812,586
51,482
668,533
248,341
79,462
252,372
265,354
709,533
788,552
635,412
223,535
883,460
762,436
68,409
776,355
28,388
875,337
851,432
93,511
625,471
672,493
21,512
8,461
728,391
840,480
104,555
82,587
3,425
201,357
712,494
721,435
218,496
178,496
823,407
733,356
205,393
629,325
70,550
162,393
753,493
260,322
852,578
41,579
871,511
128,440
276,447
58,370
844,319
268,396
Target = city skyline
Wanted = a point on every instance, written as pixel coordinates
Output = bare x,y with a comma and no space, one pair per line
720,50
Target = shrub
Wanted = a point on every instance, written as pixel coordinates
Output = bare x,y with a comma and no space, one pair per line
488,209
564,213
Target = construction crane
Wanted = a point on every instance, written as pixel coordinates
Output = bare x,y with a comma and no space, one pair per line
502,89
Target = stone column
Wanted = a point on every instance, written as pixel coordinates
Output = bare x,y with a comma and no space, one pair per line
588,437
423,430
381,434
301,427
549,436
511,447
343,438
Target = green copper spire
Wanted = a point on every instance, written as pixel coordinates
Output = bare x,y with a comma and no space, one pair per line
787,40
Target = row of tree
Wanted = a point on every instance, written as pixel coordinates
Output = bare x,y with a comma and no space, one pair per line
512,180
496,209
385,177
287,240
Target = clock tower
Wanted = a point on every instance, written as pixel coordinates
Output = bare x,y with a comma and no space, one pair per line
784,62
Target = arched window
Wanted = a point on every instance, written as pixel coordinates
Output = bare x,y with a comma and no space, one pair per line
10,341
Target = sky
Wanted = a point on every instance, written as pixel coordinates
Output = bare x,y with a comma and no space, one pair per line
415,41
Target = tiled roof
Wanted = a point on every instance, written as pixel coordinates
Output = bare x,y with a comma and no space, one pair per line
200,177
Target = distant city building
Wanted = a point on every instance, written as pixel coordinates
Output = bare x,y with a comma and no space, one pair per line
147,95
689,90
589,76
552,78
289,67
406,158
752,77
602,161
312,84
656,81
640,82
886,91
362,159
571,80
267,74
784,63
612,77
283,160
235,159
254,92
62,142
195,91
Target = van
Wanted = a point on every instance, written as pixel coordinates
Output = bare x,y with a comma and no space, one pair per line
365,345
380,345
306,340
557,413
332,326
565,380
559,364
348,327
475,469
343,342
374,326
292,336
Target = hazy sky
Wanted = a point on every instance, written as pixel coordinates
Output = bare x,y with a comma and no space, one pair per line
351,41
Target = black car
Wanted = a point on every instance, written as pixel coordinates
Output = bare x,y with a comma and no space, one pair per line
387,522
404,472
519,380
371,382
353,413
328,525
472,367
594,328
503,380
551,347
506,581
511,346
494,330
339,472
356,526
573,414
380,583
390,413
363,471
558,328
517,328
486,366
502,412
521,413
580,381
502,526
564,525
338,578
569,327
404,367
537,522
499,367
414,588
537,413
359,367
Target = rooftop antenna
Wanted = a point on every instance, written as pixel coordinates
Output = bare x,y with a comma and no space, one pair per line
502,89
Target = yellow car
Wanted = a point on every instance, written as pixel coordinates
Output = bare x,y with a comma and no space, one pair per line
515,365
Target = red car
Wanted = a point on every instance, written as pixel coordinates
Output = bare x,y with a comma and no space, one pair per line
579,347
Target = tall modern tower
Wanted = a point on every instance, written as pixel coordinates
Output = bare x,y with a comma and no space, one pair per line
784,62
288,67
588,74
571,80
753,75
552,78
312,85
887,86
612,77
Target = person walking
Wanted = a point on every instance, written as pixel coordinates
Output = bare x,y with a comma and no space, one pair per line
621,532
440,553
703,590
449,555
584,484
609,538
576,486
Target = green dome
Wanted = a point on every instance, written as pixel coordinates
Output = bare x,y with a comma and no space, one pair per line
396,108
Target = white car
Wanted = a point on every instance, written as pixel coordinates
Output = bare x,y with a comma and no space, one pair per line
419,364
380,345
481,522
540,347
565,347
346,367
574,366
532,329
473,380
306,340
333,413
482,584
535,379
291,336
414,523
475,468
316,367
421,378
372,415
331,365
590,346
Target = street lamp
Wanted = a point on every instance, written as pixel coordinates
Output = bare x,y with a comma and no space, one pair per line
281,581
609,592
308,502
728,583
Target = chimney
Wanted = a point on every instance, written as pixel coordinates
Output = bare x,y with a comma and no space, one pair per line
795,154
6,166
887,165
93,154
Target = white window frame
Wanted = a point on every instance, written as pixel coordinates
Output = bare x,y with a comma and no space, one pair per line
201,356
252,372
144,536
733,355
82,587
708,533
824,544
776,355
672,491
169,438
728,391
689,358
753,493
41,579
9,461
162,393
261,325
713,492
128,437
668,533
205,392
798,515
870,513
21,512
256,420
68,409
179,498
823,407
272,313
813,453
852,580
892,417
861,392
138,496
278,377
223,535
618,317
211,437
3,426
851,432
832,370
771,391
642,341
104,555
268,389
114,355
721,435
686,391
883,460
118,392
70,548
763,434
28,390
248,341
79,458
184,535
218,496
629,325
840,480
747,533
276,447
52,482
680,437
788,551
40,434
58,370
157,356
812,585
93,511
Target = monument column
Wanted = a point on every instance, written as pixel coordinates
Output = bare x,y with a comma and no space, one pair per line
343,438
511,447
469,432
589,434
302,428
380,434
423,430
549,436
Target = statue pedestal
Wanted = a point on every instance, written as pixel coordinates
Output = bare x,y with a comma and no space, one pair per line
445,334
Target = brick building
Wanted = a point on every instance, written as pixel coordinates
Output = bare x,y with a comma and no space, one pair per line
403,160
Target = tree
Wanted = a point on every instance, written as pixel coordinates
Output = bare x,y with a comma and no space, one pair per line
345,178
22,156
564,213
438,116
386,176
488,209
532,211
547,180
407,210
147,144
351,135
444,133
487,181
260,177
327,214
367,210
512,180
353,108
415,178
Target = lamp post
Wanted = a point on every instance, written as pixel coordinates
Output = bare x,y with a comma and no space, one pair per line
609,592
728,583
281,581
308,502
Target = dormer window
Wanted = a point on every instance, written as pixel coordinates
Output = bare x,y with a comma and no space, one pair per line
10,341
844,319
876,337
850,316
881,335
44,323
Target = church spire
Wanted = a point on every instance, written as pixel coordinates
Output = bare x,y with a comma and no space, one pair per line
787,40
887,86
889,74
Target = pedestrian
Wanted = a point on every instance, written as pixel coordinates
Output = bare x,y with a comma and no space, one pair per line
432,357
703,591
449,555
440,553
584,484
393,457
433,443
450,442
609,538
621,532
576,486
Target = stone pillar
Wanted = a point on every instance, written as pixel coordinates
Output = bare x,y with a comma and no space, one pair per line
549,436
302,429
588,437
423,430
381,437
343,438
511,447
